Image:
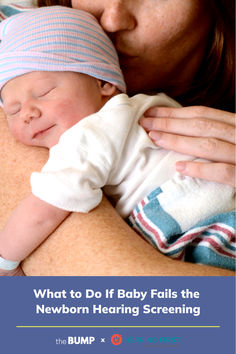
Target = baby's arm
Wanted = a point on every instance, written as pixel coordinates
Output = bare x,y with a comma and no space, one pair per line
30,223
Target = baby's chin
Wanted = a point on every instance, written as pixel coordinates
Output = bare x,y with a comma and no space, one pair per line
52,141
44,144
48,139
50,144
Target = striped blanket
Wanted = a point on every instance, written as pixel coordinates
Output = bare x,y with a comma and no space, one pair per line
211,241
9,10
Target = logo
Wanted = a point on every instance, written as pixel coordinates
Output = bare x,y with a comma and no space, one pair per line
116,339
80,340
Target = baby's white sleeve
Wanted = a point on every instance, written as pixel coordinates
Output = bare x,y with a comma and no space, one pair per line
74,174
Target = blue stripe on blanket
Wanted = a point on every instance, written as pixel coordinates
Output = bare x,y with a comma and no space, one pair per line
10,10
7,11
210,242
205,255
227,218
154,193
164,222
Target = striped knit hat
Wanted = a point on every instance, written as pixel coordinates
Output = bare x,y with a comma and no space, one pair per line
57,38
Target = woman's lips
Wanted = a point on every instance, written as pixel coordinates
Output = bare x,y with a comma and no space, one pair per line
127,59
126,55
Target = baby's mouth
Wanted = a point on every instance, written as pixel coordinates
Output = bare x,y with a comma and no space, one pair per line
42,132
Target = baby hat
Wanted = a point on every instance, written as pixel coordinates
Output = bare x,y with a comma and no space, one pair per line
57,38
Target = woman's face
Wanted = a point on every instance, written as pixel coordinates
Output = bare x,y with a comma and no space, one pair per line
160,42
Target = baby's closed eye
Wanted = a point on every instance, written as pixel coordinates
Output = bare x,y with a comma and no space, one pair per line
12,110
44,91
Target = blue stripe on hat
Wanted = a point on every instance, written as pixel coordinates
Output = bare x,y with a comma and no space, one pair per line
91,52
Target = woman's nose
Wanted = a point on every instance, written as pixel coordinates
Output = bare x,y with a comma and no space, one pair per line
29,113
117,16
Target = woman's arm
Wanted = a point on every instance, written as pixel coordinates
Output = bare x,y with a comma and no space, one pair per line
199,131
101,243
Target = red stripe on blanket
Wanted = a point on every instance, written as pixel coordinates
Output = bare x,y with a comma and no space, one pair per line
188,237
216,246
223,229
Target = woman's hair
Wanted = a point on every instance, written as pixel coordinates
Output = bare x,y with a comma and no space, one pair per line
214,83
54,2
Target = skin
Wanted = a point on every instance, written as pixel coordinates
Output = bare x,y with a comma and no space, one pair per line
40,106
119,250
201,136
148,41
161,54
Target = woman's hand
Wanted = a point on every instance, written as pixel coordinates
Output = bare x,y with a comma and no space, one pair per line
199,131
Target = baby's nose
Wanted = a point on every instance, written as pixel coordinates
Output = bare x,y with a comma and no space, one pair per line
28,119
29,113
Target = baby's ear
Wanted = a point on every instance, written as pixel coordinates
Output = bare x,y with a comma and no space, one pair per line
106,88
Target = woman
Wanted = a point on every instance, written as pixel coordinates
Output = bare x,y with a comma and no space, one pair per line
191,59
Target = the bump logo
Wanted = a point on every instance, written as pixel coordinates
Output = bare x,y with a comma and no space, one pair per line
116,339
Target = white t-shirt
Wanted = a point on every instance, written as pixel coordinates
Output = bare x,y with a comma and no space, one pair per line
109,151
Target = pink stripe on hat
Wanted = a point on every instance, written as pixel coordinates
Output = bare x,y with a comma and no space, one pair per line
57,38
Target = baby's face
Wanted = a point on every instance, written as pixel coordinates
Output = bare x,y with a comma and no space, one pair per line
40,106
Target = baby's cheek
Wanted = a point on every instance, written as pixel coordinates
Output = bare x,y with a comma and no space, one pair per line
18,133
64,105
68,112
13,129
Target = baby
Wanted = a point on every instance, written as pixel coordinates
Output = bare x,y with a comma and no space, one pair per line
62,88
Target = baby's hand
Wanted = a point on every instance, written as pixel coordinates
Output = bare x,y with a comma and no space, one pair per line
17,272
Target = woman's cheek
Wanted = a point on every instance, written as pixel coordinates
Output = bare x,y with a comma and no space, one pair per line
82,5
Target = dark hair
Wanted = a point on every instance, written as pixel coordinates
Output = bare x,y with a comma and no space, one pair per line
54,2
214,83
